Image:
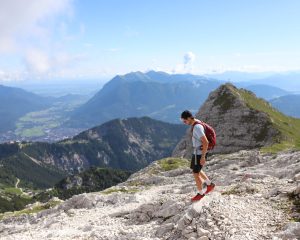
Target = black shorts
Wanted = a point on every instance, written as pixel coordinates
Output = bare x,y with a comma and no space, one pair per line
196,167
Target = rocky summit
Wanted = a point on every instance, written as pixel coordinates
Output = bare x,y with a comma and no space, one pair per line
243,121
256,197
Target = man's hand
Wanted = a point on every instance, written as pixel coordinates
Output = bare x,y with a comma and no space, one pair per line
202,160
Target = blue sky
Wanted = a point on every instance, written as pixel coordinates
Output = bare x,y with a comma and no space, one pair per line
97,39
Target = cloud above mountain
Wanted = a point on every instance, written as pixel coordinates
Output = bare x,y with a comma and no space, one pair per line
187,65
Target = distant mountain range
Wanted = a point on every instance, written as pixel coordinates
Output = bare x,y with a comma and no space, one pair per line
264,91
155,94
158,95
128,144
239,76
16,102
289,104
288,80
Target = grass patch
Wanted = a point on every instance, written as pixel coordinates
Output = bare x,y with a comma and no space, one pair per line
34,118
168,164
12,190
240,190
232,190
289,127
134,183
153,170
112,190
33,132
32,210
278,147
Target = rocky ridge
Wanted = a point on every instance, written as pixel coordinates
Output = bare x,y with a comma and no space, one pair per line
127,144
252,200
237,125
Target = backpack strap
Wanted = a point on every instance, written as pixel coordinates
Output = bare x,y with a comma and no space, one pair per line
196,122
209,133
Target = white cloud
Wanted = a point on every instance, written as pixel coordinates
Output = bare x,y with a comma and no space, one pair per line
37,61
7,44
16,75
188,64
188,59
66,60
36,32
26,19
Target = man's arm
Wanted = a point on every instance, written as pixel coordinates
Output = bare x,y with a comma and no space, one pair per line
204,149
200,134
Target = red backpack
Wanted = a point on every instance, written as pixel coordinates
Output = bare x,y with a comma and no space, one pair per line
209,133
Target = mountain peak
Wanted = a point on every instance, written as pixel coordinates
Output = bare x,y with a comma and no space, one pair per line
158,95
227,97
243,121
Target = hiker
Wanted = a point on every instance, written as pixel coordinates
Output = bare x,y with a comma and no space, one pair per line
200,154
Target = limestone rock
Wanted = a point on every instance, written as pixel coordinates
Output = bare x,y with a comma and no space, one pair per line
163,211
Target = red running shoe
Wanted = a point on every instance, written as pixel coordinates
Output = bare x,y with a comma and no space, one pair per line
197,197
210,187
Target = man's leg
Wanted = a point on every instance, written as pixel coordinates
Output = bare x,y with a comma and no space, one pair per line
201,191
203,175
198,181
209,185
195,165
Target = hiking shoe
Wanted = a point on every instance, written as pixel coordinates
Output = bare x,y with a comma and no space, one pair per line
210,187
197,197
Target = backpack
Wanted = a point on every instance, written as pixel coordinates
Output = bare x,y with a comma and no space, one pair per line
209,133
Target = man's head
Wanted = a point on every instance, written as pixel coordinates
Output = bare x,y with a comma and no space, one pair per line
187,117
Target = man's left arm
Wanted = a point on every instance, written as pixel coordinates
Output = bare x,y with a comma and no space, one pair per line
204,149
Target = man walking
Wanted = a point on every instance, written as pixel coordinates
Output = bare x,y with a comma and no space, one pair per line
199,156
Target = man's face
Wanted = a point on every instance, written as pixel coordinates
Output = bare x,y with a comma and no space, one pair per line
187,121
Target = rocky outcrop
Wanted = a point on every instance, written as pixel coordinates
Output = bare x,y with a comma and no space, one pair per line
251,201
237,125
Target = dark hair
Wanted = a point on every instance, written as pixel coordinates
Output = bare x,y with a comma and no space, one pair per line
186,114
